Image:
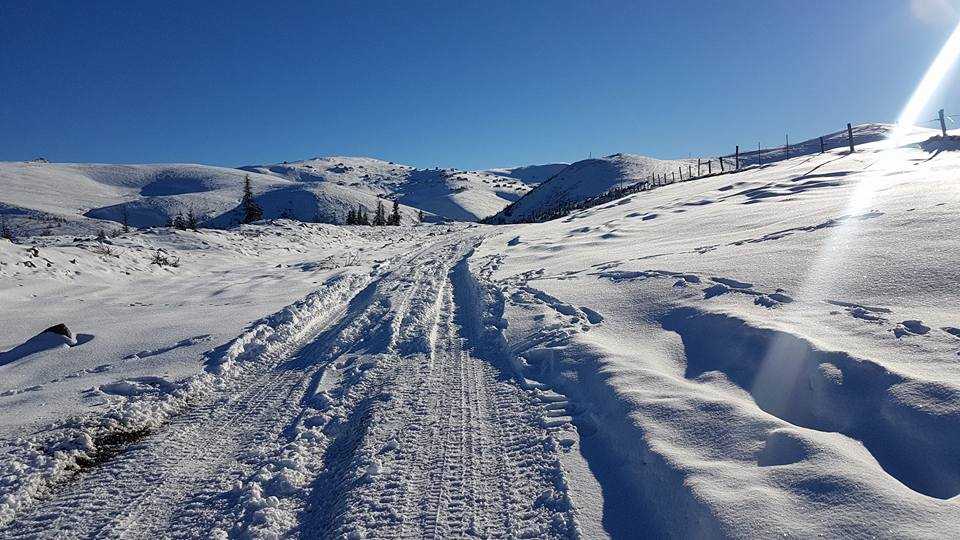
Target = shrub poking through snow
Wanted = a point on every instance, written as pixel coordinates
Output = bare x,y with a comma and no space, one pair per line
102,248
161,259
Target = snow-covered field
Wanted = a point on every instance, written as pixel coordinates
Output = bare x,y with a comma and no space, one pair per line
772,352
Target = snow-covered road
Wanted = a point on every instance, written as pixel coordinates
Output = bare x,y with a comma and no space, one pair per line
390,417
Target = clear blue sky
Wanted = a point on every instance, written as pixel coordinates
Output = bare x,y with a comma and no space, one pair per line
449,83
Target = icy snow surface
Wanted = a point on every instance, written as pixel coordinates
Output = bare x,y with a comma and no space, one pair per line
771,352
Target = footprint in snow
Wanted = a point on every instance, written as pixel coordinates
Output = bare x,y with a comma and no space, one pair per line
910,328
592,316
866,313
955,332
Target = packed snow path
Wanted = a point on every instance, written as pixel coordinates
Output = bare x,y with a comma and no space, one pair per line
381,423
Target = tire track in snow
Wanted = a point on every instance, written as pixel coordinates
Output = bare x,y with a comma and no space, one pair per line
135,493
423,438
455,450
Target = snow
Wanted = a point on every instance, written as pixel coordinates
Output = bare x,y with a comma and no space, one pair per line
451,193
586,179
760,353
64,198
766,352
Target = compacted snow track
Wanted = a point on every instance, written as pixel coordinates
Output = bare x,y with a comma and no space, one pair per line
385,422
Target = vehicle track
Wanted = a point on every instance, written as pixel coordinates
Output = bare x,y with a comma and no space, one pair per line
434,441
460,449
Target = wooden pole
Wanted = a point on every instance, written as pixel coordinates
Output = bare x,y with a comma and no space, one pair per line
850,136
698,166
943,125
689,171
821,145
680,172
673,177
759,157
738,157
788,144
709,166
720,159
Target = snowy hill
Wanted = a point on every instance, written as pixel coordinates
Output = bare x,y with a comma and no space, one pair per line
772,352
451,193
586,179
64,198
531,175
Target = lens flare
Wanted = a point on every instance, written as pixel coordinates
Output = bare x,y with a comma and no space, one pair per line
829,267
932,80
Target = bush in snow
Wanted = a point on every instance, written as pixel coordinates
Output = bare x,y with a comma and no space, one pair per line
161,259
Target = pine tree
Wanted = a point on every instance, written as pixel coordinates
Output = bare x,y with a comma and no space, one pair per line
362,218
192,220
179,222
394,218
125,219
380,217
251,210
5,230
351,217
420,216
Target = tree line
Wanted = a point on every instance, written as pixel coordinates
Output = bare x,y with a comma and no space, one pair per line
380,217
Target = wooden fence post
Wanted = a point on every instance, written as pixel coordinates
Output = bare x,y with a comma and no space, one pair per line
738,157
673,177
943,125
698,166
759,157
709,166
689,171
821,145
788,144
720,159
680,172
850,137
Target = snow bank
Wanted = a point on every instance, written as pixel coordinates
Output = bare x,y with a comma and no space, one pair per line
32,465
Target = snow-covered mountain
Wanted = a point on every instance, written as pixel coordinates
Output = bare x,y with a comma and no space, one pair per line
450,193
531,175
585,179
72,198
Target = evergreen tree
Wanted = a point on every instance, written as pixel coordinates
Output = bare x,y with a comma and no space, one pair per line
394,218
179,222
5,230
192,220
351,217
251,210
380,217
125,219
362,218
420,216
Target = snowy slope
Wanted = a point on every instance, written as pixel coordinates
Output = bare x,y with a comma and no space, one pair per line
529,174
63,198
586,179
767,353
451,193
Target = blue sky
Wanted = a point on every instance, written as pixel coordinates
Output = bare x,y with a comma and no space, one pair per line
468,85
